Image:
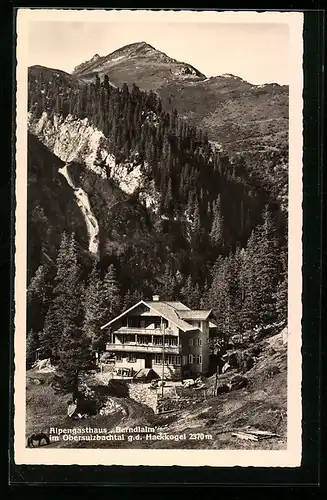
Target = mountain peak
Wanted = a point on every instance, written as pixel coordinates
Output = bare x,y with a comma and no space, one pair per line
132,57
134,49
82,66
140,45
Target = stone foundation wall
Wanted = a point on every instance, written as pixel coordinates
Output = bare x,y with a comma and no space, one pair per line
178,403
144,395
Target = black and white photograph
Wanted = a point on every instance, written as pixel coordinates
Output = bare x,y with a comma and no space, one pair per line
158,238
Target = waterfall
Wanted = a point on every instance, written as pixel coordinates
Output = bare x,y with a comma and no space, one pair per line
84,204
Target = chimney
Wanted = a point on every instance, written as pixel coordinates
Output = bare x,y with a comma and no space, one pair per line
155,298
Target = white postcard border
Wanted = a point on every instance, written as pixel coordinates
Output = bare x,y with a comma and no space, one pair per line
254,458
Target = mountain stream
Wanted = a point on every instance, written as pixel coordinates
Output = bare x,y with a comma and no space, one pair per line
84,204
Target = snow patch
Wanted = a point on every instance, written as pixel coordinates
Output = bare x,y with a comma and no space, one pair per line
118,58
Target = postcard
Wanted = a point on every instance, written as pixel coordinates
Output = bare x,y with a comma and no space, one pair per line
158,245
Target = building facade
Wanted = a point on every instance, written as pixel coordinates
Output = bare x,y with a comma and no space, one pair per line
168,337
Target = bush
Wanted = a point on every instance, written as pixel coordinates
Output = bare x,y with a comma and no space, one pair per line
118,388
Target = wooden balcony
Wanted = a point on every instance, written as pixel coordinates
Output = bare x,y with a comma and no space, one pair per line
150,348
129,330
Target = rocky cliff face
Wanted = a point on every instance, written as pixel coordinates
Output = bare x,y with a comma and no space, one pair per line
78,141
52,207
69,139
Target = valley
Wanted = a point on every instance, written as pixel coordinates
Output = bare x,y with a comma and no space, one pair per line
147,179
261,406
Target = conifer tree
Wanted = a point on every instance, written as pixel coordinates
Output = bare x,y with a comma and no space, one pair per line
38,297
191,293
217,228
75,359
32,344
195,297
268,264
248,273
64,306
168,204
110,294
220,297
128,300
167,287
101,303
282,287
73,347
91,303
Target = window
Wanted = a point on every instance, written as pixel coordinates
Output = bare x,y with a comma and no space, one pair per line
190,358
199,359
199,342
134,321
170,341
143,339
118,356
131,358
184,360
157,340
193,358
158,359
174,360
190,341
157,322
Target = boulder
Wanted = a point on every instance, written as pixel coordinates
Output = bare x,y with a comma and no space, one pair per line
223,389
238,382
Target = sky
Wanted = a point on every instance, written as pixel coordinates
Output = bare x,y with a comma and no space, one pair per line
257,52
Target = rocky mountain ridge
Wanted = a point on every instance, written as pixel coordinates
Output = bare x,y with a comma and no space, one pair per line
137,52
243,117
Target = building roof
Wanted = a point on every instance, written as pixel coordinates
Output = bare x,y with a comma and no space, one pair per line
178,306
171,314
192,314
175,312
163,309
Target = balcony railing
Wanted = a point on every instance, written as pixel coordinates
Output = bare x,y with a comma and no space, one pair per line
132,347
143,331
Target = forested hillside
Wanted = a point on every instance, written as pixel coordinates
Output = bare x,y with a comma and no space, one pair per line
215,238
